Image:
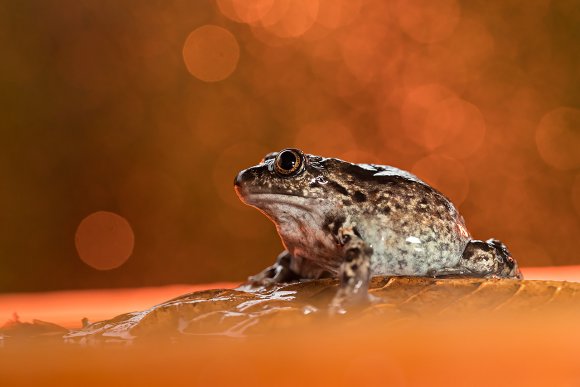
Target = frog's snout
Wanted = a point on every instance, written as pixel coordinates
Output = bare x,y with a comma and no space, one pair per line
242,181
247,177
238,179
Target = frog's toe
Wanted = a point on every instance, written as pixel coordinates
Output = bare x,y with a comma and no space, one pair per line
260,281
279,272
267,278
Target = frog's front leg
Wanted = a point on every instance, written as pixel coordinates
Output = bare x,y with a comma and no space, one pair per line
279,272
354,272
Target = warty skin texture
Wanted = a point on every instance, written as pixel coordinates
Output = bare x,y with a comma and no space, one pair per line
411,228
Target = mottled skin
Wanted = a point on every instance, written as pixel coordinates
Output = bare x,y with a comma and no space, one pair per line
329,208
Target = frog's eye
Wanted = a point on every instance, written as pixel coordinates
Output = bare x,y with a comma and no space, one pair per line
289,162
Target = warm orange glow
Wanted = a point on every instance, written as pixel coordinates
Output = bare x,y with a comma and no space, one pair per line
456,127
150,110
540,352
153,196
428,21
441,171
252,11
558,138
298,18
211,53
535,253
308,137
436,119
226,7
362,53
336,13
415,110
576,194
288,18
233,158
68,308
104,240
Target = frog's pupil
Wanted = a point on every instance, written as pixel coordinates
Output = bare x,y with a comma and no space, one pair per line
288,160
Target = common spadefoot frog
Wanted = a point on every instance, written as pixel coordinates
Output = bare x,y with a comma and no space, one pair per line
351,221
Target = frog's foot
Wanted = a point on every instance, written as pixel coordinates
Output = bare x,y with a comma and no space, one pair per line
354,272
279,272
489,259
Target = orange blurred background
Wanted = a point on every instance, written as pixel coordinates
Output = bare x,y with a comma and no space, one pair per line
124,123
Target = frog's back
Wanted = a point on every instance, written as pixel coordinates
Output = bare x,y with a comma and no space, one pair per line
413,228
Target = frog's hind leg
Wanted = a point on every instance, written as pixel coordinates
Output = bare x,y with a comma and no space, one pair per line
489,259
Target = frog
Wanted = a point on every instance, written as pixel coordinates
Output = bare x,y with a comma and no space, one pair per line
353,221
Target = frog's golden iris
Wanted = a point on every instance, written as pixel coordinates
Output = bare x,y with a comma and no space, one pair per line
289,162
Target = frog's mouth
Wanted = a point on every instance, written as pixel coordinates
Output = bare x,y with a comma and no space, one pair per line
269,202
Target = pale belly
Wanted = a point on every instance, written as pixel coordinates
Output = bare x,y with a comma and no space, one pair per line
414,249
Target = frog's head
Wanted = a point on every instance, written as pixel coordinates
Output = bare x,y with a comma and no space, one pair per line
282,179
289,181
300,193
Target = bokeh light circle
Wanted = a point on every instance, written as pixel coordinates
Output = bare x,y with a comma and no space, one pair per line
211,53
104,240
428,21
558,138
291,19
244,11
436,119
252,11
416,105
456,126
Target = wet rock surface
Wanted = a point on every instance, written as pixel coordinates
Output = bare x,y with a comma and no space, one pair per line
419,332
246,312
